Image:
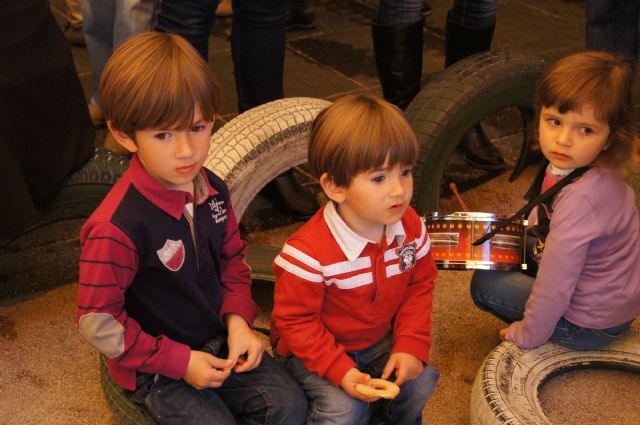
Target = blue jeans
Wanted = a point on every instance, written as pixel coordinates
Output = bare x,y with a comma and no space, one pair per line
329,404
258,37
504,295
614,26
107,24
474,13
264,395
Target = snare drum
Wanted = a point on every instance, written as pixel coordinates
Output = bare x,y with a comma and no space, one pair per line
452,238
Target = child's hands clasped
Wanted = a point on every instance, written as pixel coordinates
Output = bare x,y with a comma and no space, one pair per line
405,366
206,371
349,381
245,348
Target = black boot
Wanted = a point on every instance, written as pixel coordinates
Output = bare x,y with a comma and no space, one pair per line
460,42
289,197
398,53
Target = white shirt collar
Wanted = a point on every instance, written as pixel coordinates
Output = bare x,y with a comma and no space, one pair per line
352,243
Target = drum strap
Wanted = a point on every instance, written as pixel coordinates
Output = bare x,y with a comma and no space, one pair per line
535,197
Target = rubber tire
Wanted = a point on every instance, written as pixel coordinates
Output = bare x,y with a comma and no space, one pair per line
506,387
247,152
459,97
258,145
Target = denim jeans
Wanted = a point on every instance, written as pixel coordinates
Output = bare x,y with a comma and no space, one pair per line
614,26
107,24
264,395
504,295
258,37
474,13
329,404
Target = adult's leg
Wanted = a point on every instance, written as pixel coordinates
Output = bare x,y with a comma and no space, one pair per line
192,19
469,30
258,37
397,46
327,403
614,27
503,294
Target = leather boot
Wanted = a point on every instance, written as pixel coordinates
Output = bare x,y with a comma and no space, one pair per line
460,42
398,53
289,197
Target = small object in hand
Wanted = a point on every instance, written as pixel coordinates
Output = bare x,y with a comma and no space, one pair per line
379,388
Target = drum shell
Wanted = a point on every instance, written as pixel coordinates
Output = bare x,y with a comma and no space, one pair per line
452,238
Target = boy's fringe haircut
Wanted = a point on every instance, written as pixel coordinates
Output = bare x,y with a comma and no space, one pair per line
359,133
154,81
604,81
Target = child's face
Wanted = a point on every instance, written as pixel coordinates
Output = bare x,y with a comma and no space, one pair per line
173,157
573,139
376,198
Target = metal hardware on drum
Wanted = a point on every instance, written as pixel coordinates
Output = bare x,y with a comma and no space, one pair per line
452,238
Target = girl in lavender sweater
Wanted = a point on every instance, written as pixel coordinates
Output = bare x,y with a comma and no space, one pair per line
586,291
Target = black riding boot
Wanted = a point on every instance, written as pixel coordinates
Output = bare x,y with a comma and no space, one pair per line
460,42
398,53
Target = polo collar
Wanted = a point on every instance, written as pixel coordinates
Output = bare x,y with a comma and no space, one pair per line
170,201
351,243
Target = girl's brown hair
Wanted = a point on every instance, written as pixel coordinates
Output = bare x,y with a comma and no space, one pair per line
357,134
154,81
603,81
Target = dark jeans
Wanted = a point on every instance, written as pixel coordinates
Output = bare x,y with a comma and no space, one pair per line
504,295
613,26
264,395
258,38
474,13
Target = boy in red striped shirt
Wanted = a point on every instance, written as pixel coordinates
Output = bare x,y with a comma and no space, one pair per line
355,284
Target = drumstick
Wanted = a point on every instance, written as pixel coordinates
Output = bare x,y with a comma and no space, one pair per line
454,189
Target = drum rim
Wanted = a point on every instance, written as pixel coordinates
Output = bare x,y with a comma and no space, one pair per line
468,216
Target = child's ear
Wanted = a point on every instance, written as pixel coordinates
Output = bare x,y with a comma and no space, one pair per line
121,137
331,189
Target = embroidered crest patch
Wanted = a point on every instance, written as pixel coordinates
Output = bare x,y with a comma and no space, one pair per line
407,254
172,255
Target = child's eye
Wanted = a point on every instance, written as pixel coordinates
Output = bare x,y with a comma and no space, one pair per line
164,135
586,130
198,128
553,121
378,179
405,172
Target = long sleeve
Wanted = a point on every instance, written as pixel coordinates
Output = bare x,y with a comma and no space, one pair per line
108,264
297,314
572,228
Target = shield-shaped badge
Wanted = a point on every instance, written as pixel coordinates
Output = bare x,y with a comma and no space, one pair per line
172,255
407,254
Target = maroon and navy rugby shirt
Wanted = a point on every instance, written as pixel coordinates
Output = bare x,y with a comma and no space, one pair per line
155,279
336,291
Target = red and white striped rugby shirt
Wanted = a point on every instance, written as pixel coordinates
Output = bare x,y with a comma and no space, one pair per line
337,291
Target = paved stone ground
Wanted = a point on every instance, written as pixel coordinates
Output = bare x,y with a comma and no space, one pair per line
50,376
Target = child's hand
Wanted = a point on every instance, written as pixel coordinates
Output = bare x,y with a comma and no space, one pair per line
206,371
349,381
503,334
406,367
245,348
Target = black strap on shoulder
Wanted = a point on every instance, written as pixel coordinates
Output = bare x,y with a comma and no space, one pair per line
534,192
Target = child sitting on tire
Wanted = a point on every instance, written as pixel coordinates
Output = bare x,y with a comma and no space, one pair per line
586,291
354,285
164,291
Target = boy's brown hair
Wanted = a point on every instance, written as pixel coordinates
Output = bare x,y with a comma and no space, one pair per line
155,80
359,133
604,81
